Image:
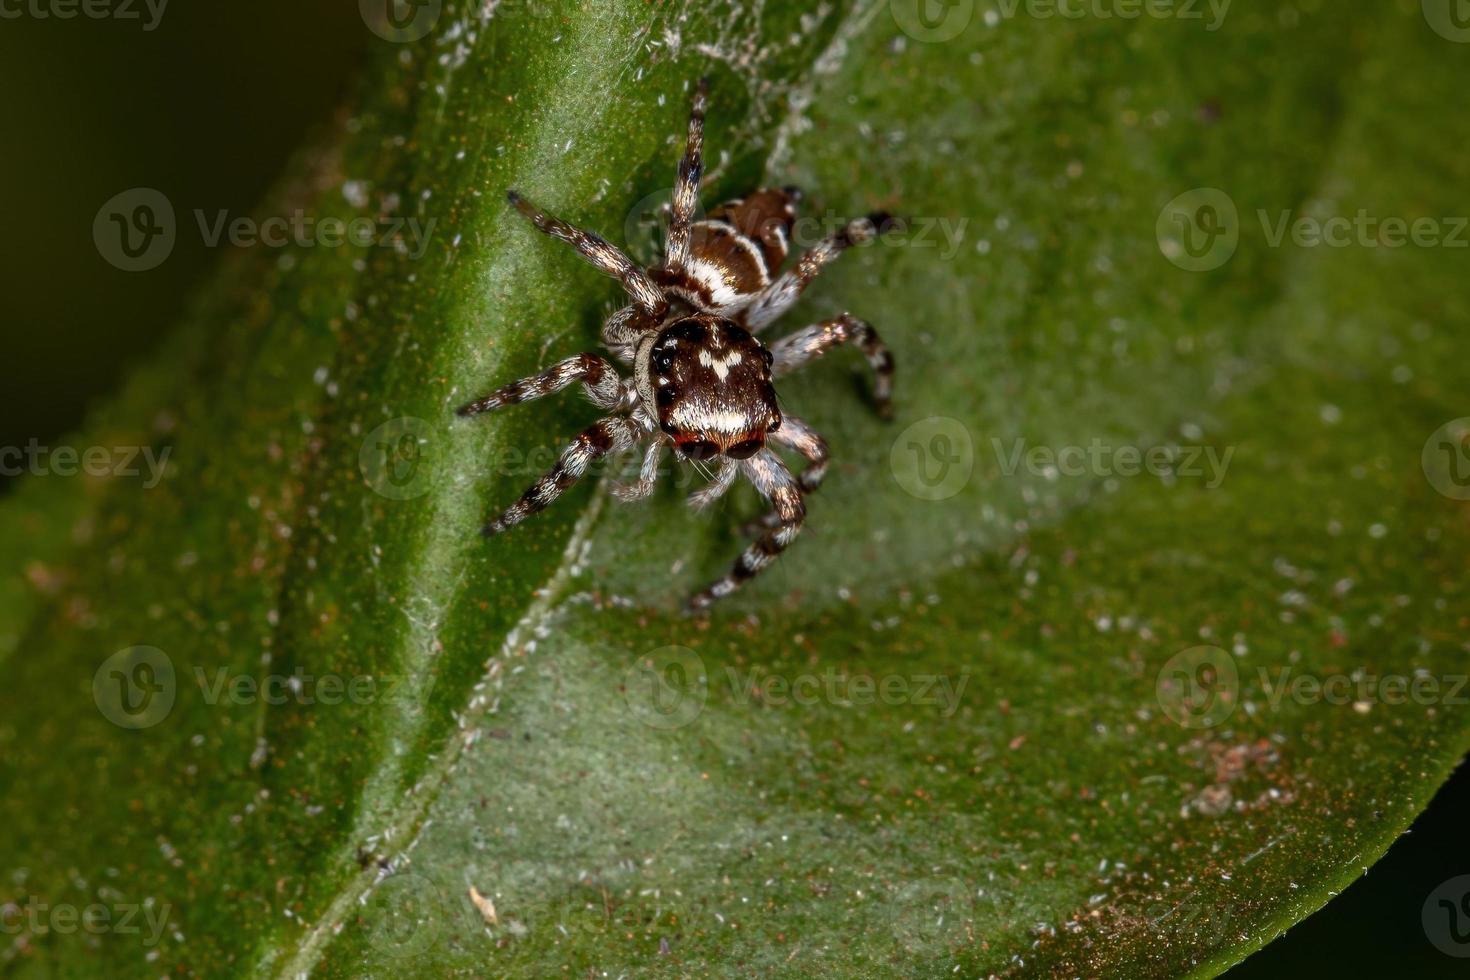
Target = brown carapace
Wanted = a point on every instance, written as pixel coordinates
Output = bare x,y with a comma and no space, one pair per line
702,382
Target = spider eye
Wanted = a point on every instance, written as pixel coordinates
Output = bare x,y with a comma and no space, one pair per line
700,450
769,357
746,449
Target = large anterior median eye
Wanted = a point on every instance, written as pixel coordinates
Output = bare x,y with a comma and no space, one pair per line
699,450
746,449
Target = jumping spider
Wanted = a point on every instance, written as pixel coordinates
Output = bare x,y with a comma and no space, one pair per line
701,380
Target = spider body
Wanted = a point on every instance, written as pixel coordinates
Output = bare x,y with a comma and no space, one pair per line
710,382
702,381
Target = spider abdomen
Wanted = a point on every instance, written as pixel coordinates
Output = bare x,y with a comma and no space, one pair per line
735,252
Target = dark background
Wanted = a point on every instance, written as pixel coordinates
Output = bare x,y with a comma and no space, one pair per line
207,109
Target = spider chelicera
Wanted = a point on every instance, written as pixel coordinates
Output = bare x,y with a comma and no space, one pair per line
702,382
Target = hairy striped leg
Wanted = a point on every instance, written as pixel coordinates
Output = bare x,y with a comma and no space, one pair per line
621,331
779,296
610,435
603,256
776,484
797,435
647,480
598,377
794,352
686,187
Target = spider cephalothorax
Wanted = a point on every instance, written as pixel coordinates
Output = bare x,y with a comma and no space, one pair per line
702,382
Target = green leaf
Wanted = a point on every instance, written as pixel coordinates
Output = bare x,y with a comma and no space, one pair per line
940,735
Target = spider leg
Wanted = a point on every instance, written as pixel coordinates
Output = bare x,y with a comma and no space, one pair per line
647,476
621,331
598,377
796,434
610,435
718,487
779,296
605,258
807,344
686,187
775,482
